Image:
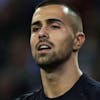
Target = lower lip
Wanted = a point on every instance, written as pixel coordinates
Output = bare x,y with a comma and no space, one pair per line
44,51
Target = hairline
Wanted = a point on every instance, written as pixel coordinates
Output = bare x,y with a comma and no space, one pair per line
72,12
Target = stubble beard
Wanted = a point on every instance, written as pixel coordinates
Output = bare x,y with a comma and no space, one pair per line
52,61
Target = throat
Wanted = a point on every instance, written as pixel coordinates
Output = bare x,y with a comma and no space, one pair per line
52,87
57,84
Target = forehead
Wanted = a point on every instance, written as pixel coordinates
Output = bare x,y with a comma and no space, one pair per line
50,11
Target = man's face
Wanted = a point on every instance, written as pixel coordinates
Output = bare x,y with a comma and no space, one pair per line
51,36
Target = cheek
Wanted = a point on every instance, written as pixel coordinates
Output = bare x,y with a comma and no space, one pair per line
63,42
33,40
59,37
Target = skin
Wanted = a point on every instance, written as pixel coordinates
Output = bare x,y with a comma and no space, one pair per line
51,26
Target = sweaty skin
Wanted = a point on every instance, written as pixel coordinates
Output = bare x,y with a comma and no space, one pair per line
55,48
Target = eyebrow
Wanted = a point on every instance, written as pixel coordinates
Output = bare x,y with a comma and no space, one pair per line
51,20
35,23
54,20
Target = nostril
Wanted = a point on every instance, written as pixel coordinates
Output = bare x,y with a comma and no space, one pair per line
43,35
44,32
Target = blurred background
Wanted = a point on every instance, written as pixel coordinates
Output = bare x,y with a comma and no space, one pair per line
18,72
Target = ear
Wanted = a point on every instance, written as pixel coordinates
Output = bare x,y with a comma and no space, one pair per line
78,41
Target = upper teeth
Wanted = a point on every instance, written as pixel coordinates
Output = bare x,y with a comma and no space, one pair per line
43,47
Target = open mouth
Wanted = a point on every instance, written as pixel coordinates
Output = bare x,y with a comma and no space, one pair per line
44,47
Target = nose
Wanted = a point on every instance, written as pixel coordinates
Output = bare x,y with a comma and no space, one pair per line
43,33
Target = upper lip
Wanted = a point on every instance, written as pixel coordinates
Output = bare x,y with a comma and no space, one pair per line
43,44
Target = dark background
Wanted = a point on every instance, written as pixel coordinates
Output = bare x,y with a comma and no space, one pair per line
18,71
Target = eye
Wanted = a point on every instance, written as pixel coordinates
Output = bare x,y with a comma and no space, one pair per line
35,29
55,26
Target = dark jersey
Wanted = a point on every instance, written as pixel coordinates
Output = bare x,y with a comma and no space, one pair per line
84,89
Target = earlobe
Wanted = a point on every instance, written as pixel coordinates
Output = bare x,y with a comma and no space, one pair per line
78,41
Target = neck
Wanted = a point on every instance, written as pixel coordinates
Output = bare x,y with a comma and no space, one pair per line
61,80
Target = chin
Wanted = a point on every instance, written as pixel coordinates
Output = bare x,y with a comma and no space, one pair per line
43,59
43,62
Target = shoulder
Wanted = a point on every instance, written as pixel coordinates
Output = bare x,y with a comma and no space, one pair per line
29,96
25,96
91,83
91,88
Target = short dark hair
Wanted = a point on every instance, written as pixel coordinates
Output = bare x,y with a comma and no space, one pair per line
76,23
59,2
